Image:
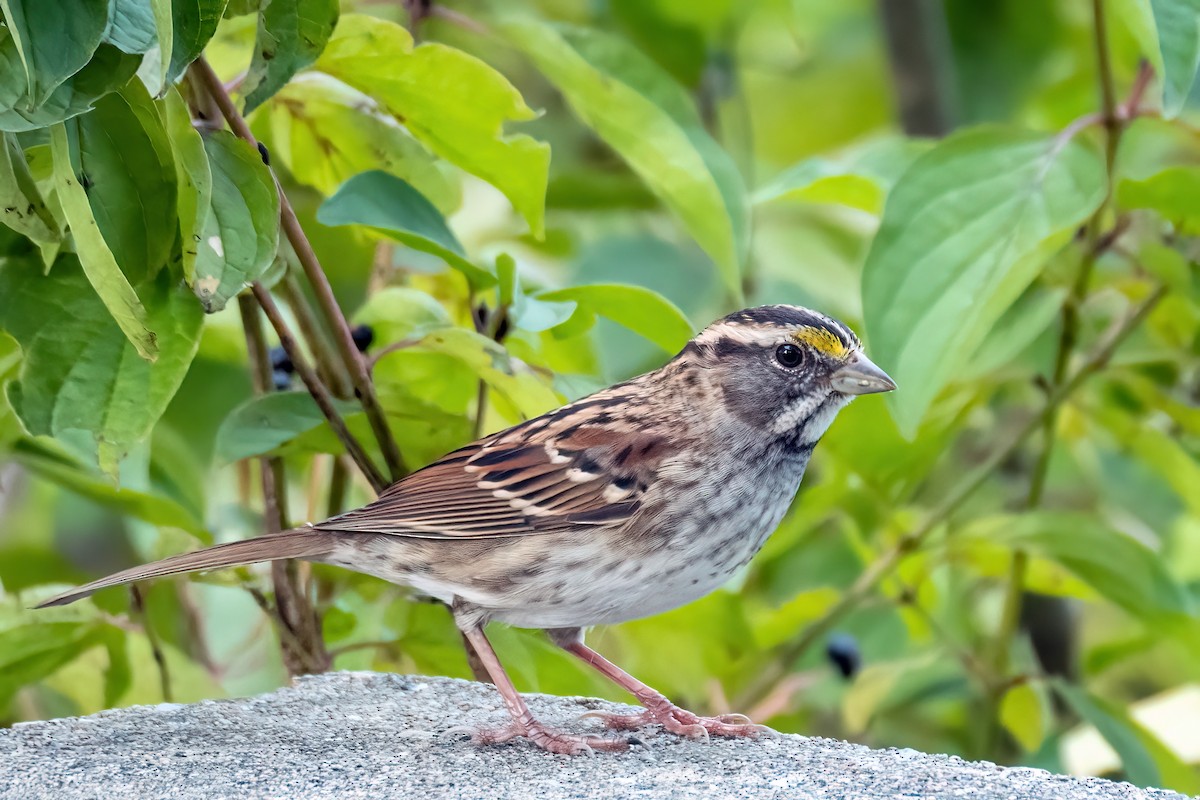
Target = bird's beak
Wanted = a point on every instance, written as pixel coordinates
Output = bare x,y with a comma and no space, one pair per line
860,376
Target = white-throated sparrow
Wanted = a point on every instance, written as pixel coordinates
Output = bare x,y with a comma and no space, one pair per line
635,500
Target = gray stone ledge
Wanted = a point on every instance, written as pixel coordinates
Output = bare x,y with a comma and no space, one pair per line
373,735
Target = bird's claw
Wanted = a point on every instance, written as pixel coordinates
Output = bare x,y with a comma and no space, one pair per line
548,739
681,722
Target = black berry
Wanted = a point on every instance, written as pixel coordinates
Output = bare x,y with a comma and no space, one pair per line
282,380
842,651
362,336
280,362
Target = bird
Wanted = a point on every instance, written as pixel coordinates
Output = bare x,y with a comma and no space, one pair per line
627,503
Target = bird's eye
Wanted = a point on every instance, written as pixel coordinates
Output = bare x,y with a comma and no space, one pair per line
789,355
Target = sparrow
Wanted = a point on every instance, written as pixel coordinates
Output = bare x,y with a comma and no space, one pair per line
630,502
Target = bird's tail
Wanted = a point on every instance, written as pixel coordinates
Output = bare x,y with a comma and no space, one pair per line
306,543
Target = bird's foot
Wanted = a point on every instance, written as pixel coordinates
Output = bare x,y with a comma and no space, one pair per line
550,739
682,722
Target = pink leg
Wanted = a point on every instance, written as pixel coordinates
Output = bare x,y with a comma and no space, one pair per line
659,709
523,722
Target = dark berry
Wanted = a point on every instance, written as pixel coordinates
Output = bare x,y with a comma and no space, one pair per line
282,380
362,336
280,362
262,152
480,315
502,328
842,651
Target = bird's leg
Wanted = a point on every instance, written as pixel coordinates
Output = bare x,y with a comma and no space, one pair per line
659,709
523,722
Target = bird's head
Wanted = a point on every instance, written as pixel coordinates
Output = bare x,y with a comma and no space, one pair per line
786,369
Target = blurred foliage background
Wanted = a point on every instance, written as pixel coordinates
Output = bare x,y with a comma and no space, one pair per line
543,197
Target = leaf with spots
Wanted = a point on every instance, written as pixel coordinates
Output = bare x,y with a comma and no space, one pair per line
122,154
192,175
240,234
22,206
291,35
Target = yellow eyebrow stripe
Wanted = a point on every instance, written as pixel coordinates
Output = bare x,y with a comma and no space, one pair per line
822,340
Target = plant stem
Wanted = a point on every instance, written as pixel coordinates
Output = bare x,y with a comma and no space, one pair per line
317,389
160,659
1108,94
329,368
303,648
1114,119
334,318
883,566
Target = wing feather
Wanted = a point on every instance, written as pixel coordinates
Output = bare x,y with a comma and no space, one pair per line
533,478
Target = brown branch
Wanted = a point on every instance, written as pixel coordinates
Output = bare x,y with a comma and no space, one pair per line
317,388
334,318
332,371
293,612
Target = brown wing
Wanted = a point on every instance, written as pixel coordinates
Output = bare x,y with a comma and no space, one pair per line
571,467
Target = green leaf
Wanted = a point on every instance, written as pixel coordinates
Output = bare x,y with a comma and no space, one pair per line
325,132
291,34
524,311
54,46
513,381
964,232
95,257
157,62
1168,32
643,115
453,103
872,686
32,651
85,384
1168,265
397,313
22,207
54,464
1172,193
264,424
820,180
1019,326
643,311
1117,728
1162,452
1024,714
131,26
109,69
392,206
241,228
118,677
121,152
194,23
193,177
1121,569
859,180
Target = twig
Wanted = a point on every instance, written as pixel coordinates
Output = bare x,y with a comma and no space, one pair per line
883,566
332,371
160,659
291,609
317,389
334,318
1108,93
